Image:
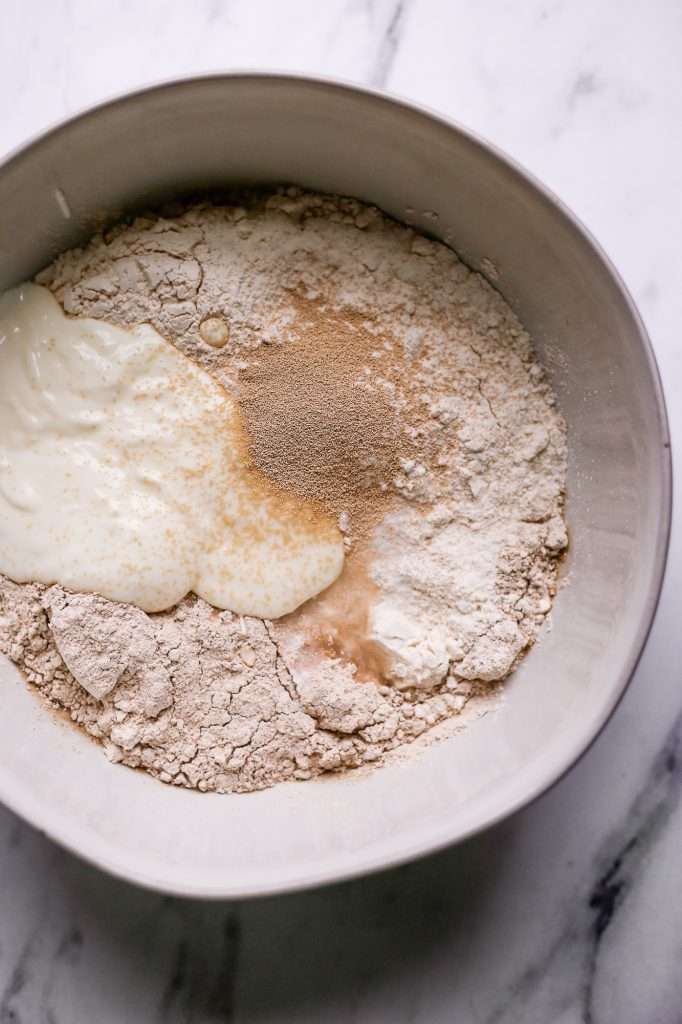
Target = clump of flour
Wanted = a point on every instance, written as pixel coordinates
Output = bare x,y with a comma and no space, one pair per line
454,528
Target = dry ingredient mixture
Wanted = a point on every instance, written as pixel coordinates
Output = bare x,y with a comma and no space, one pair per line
379,377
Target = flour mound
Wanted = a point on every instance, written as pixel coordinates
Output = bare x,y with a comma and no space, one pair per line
452,471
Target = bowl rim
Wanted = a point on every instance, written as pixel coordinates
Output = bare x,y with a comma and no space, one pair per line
57,828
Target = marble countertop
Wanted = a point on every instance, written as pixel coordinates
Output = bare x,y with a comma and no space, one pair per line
571,911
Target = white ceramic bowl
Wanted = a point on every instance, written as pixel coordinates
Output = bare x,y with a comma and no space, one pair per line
262,128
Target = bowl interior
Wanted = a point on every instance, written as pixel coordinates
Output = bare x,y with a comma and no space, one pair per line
263,129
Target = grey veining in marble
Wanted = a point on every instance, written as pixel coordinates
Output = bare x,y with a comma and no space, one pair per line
570,912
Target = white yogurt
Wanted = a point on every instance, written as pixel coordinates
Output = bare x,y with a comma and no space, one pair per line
124,471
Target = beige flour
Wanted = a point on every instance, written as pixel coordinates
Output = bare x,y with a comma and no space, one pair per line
380,376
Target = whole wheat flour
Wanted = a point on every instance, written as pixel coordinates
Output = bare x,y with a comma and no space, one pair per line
378,376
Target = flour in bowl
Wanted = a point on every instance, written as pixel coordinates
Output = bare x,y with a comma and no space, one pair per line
378,378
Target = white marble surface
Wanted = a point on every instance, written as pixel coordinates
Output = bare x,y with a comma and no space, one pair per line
571,911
